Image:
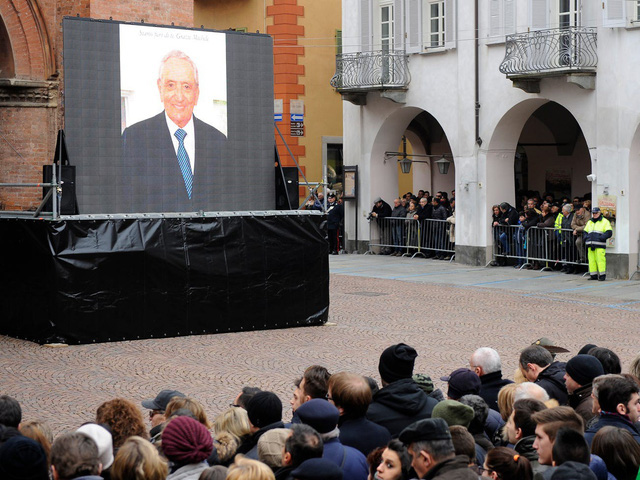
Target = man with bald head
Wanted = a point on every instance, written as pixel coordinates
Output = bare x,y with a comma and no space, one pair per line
171,159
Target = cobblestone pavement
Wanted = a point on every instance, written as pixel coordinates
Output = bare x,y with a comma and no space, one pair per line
444,311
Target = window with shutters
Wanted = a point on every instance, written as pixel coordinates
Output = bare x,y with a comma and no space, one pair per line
502,20
434,24
568,13
431,25
386,27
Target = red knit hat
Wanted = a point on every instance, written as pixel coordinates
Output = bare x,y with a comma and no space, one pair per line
185,440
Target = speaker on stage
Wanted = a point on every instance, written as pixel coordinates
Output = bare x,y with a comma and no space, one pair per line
286,186
68,202
291,183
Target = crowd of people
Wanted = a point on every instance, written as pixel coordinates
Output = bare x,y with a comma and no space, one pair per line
399,238
568,233
555,420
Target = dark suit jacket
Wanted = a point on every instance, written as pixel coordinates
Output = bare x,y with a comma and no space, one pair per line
151,180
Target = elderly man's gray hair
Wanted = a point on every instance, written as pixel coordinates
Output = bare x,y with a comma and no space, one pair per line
488,359
530,390
181,55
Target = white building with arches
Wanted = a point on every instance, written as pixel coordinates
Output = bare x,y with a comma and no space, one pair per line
515,92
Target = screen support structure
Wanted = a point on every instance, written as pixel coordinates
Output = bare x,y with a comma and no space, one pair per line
53,186
312,191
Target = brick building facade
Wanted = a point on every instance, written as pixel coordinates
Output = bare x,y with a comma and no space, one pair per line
32,80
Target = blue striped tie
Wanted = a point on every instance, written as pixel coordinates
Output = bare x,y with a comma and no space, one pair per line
183,161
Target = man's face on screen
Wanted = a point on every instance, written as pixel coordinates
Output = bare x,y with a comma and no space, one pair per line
178,90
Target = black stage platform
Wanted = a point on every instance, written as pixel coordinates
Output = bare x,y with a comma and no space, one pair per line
104,278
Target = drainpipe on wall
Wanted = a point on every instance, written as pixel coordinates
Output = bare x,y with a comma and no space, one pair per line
477,79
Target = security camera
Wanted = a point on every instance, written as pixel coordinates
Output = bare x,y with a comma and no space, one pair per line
591,177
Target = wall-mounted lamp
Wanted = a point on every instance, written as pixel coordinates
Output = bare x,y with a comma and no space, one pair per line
443,165
405,162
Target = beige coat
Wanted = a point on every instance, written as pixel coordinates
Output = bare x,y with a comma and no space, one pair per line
452,227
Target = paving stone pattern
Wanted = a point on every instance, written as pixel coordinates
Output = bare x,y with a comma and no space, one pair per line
445,323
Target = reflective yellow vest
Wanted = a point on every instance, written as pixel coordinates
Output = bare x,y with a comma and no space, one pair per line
595,233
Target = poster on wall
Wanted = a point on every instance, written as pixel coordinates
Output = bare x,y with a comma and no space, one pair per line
608,205
350,182
558,182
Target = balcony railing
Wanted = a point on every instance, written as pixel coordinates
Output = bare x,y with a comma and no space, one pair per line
365,71
561,50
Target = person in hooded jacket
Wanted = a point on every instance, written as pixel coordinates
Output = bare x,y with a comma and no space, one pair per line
400,401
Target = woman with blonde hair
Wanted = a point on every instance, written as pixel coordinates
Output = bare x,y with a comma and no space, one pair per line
634,368
194,406
233,420
247,469
506,398
138,459
230,429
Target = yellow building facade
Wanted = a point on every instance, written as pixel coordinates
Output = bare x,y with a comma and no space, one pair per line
307,35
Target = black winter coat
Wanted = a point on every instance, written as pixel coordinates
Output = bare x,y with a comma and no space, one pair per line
362,434
510,217
552,380
399,404
383,211
439,213
491,383
335,214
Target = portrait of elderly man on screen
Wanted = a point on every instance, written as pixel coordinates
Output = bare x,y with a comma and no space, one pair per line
170,159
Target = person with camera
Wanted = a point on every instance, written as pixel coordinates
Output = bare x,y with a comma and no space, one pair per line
380,211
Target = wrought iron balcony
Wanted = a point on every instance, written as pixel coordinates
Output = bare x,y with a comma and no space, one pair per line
368,71
548,52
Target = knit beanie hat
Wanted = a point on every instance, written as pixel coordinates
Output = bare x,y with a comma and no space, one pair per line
396,362
462,382
185,440
103,440
270,446
424,382
453,412
584,368
23,459
264,409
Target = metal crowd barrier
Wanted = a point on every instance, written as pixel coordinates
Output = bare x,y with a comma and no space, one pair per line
409,237
547,246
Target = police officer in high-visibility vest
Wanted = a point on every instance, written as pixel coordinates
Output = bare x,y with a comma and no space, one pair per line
596,233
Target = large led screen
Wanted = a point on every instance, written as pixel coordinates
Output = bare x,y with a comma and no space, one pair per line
167,119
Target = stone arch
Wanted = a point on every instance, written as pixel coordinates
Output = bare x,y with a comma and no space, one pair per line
30,43
633,200
7,65
499,156
384,178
